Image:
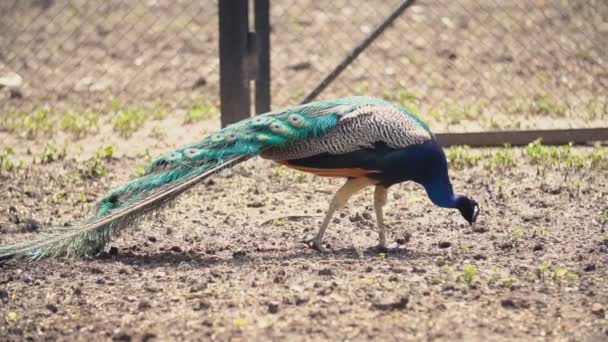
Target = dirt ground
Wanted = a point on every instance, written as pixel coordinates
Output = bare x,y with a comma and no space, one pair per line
226,261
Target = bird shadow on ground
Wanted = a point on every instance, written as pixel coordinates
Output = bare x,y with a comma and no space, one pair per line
201,260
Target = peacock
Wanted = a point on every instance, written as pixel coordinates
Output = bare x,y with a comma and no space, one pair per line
368,141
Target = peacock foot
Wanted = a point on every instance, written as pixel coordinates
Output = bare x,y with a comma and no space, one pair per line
316,244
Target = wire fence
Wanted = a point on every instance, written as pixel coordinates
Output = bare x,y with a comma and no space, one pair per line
464,65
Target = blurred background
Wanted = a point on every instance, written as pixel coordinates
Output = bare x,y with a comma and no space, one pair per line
464,65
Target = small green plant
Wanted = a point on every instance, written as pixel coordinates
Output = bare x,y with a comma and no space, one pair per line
79,124
96,165
596,109
501,159
158,112
140,170
598,157
7,163
280,170
406,99
468,273
31,124
51,153
454,113
360,88
127,121
157,133
460,157
200,110
559,272
518,233
539,104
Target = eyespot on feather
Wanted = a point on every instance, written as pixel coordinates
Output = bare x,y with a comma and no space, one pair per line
217,137
277,127
296,120
173,156
191,152
231,136
260,120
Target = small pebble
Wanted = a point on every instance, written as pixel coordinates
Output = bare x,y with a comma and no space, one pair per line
444,244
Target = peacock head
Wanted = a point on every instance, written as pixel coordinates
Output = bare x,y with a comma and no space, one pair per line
469,209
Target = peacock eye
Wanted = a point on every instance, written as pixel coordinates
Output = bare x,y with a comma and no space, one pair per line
260,120
217,137
278,127
191,152
174,155
296,120
231,136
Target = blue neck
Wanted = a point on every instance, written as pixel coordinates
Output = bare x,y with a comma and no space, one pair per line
440,192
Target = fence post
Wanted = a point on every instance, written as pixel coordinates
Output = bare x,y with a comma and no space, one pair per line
262,81
234,77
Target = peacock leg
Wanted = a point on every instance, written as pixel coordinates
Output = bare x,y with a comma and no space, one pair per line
351,187
380,198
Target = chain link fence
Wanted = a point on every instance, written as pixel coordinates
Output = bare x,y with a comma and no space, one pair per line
465,65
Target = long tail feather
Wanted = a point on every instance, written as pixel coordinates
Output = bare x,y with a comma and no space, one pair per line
171,174
90,236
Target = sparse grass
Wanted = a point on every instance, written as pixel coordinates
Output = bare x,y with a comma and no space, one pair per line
555,272
127,121
460,157
96,165
559,156
79,124
564,158
468,273
51,153
7,163
596,109
47,121
31,124
406,99
501,159
200,110
518,233
454,113
539,104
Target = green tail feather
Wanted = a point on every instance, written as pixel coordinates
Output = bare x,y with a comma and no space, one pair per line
170,175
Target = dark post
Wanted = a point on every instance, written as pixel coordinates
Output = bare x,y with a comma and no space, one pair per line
262,82
234,78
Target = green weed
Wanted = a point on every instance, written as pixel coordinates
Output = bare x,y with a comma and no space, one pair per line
468,273
31,124
596,109
539,104
559,272
598,157
96,165
539,154
127,121
7,163
51,153
453,113
460,157
79,124
406,99
501,159
200,110
518,233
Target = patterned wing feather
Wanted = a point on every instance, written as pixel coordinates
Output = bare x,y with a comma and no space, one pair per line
359,127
